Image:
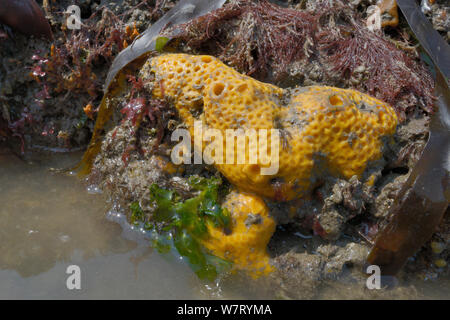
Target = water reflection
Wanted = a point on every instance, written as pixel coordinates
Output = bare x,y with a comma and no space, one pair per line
45,217
49,221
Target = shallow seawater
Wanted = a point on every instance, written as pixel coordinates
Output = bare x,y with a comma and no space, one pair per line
50,221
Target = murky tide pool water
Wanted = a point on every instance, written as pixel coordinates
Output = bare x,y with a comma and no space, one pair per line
49,221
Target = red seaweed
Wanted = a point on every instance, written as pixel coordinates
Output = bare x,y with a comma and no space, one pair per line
262,39
267,35
391,72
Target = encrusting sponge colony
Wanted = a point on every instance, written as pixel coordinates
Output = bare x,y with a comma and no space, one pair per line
320,131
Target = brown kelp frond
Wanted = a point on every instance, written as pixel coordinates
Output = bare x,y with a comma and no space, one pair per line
374,65
266,37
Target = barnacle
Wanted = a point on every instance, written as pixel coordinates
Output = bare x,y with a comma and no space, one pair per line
323,130
245,242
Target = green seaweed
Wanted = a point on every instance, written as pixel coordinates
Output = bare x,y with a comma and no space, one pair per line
184,223
137,214
160,43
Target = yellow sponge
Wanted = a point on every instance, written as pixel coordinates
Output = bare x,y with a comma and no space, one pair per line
246,241
322,130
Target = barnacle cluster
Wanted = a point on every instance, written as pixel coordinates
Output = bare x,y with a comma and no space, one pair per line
323,131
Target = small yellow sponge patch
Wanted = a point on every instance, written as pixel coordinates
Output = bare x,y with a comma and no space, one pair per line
246,241
322,130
